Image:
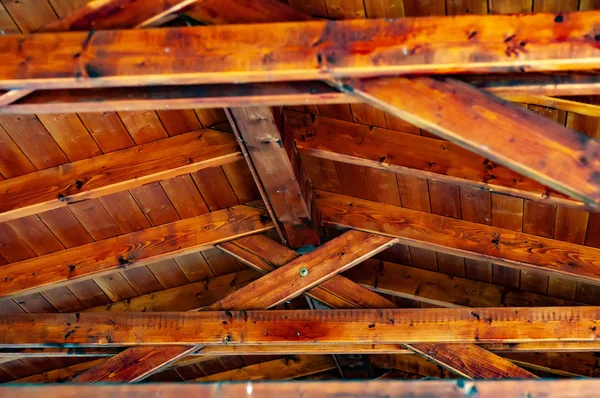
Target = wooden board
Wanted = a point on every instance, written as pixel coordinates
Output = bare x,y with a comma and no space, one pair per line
332,49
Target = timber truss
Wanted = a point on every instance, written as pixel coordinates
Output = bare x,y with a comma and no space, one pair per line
458,77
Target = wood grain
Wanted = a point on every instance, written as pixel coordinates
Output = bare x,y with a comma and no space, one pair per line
133,249
525,142
358,48
314,327
114,172
466,239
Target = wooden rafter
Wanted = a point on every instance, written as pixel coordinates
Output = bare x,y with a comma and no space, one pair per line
114,172
530,144
359,48
287,282
131,250
462,238
414,155
314,327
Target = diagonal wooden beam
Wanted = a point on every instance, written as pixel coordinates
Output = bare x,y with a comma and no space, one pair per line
456,358
414,155
331,50
566,104
466,239
280,176
114,172
310,327
131,250
528,143
287,282
278,369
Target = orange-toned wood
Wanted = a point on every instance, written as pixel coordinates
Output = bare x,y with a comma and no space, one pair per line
150,245
339,51
443,290
412,155
313,327
109,173
222,12
276,173
278,369
480,242
553,155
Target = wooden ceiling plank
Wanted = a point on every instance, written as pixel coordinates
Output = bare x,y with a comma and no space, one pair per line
112,254
530,144
311,327
278,369
470,240
278,172
414,156
114,172
272,51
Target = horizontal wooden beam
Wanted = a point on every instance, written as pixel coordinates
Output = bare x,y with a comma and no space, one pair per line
528,143
414,155
278,369
114,172
265,94
564,104
130,250
315,327
466,239
443,290
330,49
322,389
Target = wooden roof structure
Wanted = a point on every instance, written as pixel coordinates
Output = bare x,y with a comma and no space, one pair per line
246,190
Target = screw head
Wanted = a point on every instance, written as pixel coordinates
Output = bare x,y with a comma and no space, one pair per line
303,272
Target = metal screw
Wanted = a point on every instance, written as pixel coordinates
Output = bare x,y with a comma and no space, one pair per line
303,272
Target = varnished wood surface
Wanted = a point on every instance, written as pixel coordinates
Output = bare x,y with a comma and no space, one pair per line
460,237
414,155
114,172
563,159
134,249
375,389
314,327
358,48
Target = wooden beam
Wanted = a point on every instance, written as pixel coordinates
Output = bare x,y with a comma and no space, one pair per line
131,250
523,141
414,155
265,255
331,50
466,239
471,361
58,375
280,285
278,369
342,288
314,327
322,389
286,191
565,104
114,172
443,290
264,94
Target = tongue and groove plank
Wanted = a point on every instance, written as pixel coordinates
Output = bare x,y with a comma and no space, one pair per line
114,172
476,241
530,144
284,185
280,285
331,50
413,155
133,249
314,327
259,254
